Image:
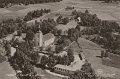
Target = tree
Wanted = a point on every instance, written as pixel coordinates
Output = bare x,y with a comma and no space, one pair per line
51,62
65,20
78,27
74,12
86,12
59,32
29,35
44,60
86,72
70,55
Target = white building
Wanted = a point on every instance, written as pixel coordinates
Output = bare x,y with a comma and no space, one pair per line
48,39
38,39
67,70
12,51
62,53
43,40
64,70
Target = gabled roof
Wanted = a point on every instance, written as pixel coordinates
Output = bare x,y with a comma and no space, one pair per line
47,36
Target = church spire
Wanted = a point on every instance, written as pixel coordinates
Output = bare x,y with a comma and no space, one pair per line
39,27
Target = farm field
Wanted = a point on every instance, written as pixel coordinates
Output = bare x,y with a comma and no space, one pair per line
104,11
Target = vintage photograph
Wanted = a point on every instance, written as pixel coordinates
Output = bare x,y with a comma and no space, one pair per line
59,39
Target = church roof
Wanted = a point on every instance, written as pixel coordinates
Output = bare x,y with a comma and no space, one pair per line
47,36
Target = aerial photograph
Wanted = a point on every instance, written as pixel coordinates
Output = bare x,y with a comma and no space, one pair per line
59,39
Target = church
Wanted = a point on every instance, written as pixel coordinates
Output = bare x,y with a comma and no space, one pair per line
43,40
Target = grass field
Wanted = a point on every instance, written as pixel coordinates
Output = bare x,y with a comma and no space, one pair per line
6,71
16,8
104,11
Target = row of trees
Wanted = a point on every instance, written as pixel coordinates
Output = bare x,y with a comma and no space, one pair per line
35,14
62,20
4,3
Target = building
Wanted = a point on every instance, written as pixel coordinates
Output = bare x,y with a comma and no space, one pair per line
44,40
68,70
62,53
64,70
12,51
48,39
79,19
38,39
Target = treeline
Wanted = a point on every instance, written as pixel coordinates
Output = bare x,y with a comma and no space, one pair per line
35,14
4,3
108,31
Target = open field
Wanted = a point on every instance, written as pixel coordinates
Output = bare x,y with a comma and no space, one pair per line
16,8
92,52
104,11
6,71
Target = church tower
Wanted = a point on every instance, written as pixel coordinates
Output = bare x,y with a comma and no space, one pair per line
40,37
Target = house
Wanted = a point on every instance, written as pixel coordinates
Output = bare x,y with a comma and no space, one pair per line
62,53
78,19
44,40
12,51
